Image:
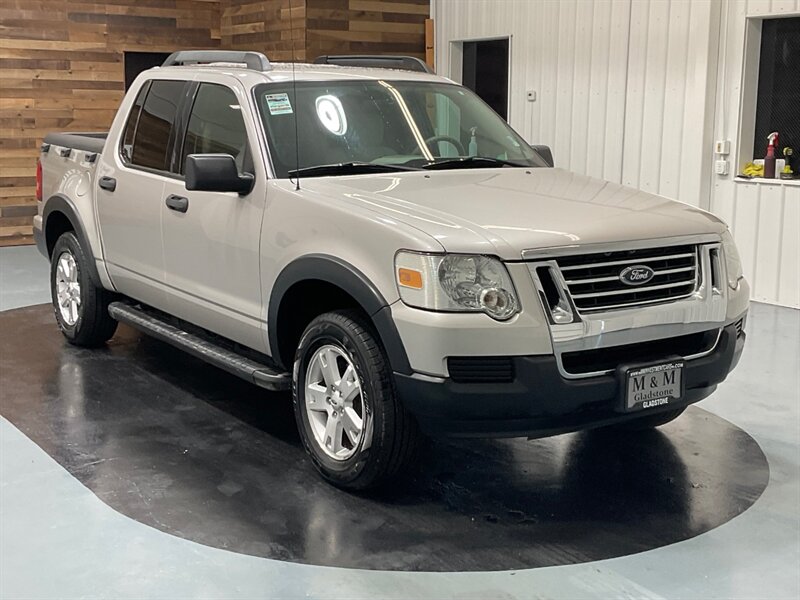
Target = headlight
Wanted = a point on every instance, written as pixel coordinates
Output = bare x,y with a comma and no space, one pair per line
733,263
456,282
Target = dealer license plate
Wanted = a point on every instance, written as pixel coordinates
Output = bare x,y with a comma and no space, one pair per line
653,386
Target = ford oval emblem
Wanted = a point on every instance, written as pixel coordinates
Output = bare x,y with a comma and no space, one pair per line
636,275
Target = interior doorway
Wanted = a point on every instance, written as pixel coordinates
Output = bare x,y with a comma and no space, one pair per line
136,62
485,72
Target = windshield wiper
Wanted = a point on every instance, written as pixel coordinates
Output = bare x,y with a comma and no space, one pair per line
348,168
471,161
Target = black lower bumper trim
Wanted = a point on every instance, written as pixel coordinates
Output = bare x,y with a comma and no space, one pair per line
540,402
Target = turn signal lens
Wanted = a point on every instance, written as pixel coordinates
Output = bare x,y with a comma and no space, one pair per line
456,283
409,278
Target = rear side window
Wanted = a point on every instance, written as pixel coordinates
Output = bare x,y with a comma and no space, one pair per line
151,139
130,127
216,125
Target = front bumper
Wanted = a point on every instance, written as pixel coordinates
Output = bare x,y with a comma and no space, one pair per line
541,402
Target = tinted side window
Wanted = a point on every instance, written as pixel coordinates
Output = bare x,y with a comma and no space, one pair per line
216,125
151,142
130,126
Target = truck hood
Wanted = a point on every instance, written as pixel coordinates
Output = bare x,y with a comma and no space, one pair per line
505,211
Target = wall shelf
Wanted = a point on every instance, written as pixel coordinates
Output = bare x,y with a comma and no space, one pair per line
758,181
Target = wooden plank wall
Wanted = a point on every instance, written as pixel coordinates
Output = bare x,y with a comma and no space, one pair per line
61,61
325,27
61,68
366,27
267,26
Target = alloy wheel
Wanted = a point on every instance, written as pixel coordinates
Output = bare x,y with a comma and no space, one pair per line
68,288
334,402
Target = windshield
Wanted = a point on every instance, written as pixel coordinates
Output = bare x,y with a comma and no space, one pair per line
392,123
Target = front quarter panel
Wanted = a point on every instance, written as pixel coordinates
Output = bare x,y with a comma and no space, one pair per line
300,223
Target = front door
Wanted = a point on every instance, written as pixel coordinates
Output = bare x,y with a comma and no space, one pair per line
211,250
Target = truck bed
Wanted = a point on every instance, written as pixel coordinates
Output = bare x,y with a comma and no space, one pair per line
88,141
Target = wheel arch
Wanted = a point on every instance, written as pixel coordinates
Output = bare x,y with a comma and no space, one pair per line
334,275
61,215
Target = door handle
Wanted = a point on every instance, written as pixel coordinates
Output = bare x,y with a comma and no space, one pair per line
178,203
108,183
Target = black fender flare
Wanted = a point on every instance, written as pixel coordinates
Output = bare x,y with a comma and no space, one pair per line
61,203
333,270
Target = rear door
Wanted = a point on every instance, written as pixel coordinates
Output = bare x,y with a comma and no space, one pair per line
130,191
211,251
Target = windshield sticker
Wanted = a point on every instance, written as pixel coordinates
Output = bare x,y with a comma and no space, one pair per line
278,104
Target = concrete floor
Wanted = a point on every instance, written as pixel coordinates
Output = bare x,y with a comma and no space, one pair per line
59,540
24,277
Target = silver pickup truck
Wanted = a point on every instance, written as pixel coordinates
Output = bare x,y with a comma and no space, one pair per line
380,242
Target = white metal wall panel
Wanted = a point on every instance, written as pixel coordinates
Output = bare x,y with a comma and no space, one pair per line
666,137
621,86
635,94
572,53
764,218
636,91
616,90
565,81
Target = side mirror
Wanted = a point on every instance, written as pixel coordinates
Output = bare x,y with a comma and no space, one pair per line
216,173
545,153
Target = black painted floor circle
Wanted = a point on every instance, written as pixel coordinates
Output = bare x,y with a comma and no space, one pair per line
197,453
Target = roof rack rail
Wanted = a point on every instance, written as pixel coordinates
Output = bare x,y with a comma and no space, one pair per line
254,60
407,63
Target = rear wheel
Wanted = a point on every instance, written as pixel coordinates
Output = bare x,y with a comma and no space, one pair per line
650,421
353,425
81,308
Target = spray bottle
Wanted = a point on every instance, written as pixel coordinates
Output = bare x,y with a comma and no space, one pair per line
473,142
769,159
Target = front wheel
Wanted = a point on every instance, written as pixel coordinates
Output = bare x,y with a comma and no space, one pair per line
81,308
353,425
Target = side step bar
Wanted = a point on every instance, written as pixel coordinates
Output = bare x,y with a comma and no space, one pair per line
260,374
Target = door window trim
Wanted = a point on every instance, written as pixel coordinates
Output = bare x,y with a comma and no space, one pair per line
179,112
184,124
261,129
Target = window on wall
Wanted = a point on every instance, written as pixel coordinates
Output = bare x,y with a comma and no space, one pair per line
778,99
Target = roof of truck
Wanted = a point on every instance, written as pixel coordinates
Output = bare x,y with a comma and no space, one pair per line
281,72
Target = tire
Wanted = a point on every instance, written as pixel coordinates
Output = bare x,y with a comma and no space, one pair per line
650,421
389,440
86,321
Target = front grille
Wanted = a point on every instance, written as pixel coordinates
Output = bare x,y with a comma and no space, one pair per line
481,369
739,328
605,359
594,279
